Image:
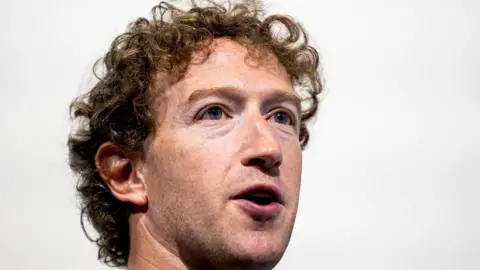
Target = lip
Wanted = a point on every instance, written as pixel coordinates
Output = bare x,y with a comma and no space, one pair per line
271,189
257,211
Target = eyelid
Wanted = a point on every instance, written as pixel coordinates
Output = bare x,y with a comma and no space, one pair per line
293,117
204,109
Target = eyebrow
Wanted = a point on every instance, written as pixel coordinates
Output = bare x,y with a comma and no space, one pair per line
238,94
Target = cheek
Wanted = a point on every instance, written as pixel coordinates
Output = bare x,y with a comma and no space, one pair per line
186,168
293,168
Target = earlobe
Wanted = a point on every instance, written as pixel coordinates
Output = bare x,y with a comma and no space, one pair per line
118,172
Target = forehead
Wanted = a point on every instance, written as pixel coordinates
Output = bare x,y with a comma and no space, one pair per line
230,65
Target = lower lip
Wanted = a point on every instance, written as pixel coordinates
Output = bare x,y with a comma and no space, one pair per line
258,211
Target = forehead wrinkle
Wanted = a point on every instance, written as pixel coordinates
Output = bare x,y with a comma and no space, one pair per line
219,61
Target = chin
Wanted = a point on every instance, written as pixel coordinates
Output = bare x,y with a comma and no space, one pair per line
245,250
258,251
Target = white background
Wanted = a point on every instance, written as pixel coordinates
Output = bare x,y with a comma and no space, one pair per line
392,174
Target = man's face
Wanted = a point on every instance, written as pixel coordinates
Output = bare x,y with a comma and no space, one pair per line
223,170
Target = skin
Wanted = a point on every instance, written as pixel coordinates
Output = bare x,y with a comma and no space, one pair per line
230,123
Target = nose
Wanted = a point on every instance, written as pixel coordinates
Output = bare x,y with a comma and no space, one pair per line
262,148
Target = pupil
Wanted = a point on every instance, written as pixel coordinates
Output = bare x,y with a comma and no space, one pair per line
281,117
215,113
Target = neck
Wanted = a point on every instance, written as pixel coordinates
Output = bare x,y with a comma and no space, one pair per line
146,252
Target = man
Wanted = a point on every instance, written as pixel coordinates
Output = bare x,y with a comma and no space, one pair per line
188,149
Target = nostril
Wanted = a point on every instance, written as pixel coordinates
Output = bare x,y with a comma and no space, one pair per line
264,164
257,162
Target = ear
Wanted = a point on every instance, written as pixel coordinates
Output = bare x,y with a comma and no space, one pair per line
118,171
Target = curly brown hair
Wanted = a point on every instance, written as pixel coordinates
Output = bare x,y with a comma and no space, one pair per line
119,107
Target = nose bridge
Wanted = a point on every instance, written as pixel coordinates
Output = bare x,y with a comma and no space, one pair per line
260,140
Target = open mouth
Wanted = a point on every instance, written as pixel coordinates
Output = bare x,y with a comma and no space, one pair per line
260,197
261,202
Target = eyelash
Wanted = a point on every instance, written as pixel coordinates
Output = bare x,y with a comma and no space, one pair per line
202,112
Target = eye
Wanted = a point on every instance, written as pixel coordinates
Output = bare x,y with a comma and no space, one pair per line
282,117
212,113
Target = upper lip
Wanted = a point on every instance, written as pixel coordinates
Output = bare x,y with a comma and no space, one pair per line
272,190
